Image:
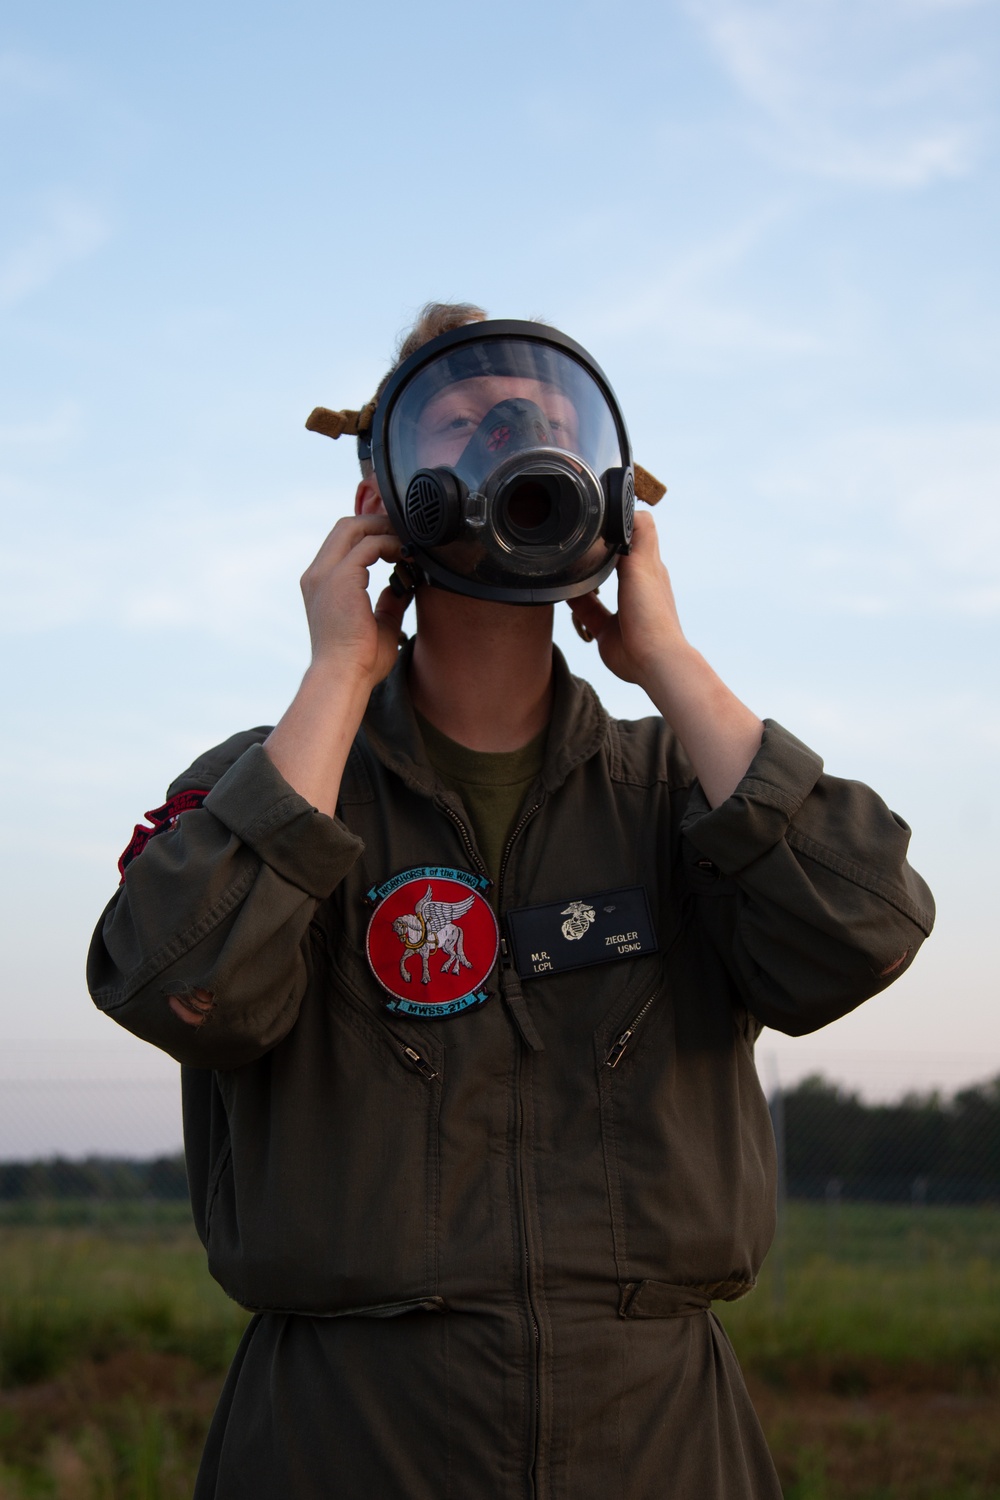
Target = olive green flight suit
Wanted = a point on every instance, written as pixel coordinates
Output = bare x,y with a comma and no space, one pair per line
483,1250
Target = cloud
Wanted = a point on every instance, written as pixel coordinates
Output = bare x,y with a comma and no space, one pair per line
62,423
932,5
234,578
880,722
882,94
917,506
696,320
25,79
70,229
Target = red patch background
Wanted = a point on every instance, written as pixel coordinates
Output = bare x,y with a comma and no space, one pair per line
479,930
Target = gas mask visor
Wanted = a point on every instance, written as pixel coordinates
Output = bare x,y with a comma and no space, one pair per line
504,464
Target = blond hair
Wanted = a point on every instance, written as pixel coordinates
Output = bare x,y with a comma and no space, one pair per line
434,318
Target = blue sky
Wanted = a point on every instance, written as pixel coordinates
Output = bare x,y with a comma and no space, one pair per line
774,223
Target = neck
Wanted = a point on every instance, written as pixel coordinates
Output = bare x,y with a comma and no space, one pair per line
482,672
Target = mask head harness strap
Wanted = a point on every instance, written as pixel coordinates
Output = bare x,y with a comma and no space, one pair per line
335,424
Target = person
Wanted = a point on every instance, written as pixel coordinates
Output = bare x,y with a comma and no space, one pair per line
465,976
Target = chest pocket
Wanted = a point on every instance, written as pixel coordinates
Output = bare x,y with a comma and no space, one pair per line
687,1140
329,1205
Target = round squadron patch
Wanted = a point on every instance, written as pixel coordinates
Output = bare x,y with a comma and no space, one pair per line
432,941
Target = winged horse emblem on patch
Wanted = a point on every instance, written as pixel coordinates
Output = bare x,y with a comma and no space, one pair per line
432,927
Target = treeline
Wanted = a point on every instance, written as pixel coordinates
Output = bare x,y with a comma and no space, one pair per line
923,1148
107,1178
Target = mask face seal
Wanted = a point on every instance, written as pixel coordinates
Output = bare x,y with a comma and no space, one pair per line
504,463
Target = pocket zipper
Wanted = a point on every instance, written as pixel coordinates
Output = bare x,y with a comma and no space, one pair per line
421,1064
617,1052
410,1057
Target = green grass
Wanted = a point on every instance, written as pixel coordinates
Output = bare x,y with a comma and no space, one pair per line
921,1303
874,1337
133,1454
113,1345
908,1295
890,1235
843,1327
72,1294
111,1214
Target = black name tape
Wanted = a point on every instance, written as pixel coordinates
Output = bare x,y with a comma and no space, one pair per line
583,930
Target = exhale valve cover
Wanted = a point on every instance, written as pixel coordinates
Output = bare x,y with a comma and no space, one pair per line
504,463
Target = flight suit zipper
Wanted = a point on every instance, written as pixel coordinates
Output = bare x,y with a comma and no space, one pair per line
525,818
470,848
529,1291
532,1043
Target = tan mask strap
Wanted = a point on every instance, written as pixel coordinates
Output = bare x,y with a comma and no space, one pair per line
647,486
335,424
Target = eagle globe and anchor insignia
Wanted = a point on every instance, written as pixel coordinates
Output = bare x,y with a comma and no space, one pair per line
581,914
432,941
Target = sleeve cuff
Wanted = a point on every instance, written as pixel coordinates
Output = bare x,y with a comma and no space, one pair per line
756,816
304,846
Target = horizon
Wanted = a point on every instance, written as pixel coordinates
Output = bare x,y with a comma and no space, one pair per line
780,243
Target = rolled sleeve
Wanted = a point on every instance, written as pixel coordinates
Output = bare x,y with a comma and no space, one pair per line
801,880
221,901
302,845
756,817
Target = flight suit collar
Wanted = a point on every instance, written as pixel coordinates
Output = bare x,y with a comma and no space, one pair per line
577,730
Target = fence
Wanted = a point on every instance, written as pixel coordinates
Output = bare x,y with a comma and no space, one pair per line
891,1187
114,1136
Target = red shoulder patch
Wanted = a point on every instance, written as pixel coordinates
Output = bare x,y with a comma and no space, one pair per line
161,818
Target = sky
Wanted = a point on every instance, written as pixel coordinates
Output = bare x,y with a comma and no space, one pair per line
775,225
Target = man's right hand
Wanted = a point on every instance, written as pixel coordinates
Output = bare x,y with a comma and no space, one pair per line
353,648
347,634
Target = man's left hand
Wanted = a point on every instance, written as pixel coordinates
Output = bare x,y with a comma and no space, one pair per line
644,643
641,637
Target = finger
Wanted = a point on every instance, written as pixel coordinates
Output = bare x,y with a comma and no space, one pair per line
193,1007
346,535
351,571
389,611
589,612
645,541
371,549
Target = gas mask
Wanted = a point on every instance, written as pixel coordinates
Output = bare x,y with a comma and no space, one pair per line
504,464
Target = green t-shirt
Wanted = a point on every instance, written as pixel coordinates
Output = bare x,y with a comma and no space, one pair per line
491,784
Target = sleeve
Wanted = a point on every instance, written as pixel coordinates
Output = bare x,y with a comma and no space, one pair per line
221,901
802,882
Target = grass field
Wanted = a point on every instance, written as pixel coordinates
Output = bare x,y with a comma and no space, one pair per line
872,1351
871,1346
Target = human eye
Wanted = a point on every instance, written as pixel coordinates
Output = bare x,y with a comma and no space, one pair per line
564,430
561,416
451,418
446,430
